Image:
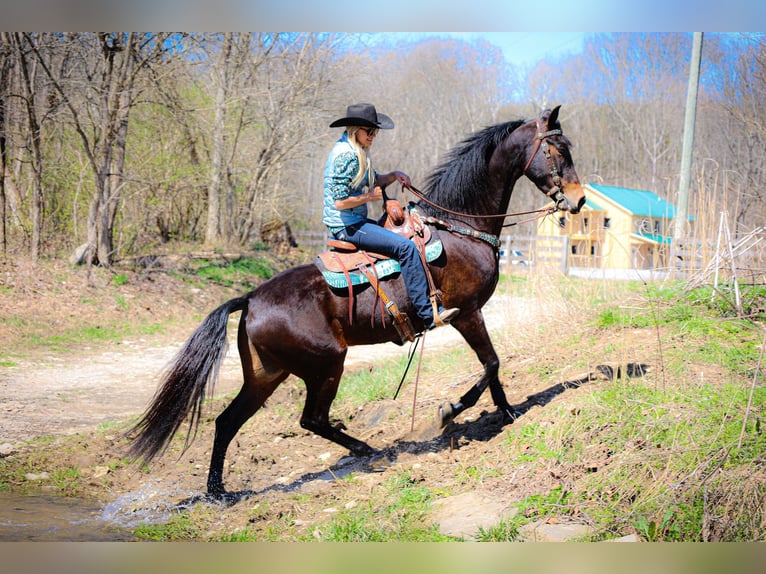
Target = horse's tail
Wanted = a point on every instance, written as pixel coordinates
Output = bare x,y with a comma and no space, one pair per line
182,388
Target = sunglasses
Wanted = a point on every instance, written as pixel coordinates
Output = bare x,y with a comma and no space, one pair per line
372,132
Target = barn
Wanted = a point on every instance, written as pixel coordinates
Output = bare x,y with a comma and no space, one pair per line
618,228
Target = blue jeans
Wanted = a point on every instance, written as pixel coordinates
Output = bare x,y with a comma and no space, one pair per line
370,236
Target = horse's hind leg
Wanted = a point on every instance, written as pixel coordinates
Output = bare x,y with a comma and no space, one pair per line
320,392
259,384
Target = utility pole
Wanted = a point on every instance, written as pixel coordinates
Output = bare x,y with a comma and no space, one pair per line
688,143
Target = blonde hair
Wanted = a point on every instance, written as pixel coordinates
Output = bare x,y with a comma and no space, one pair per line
365,161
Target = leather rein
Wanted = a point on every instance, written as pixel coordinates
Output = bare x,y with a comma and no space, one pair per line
555,192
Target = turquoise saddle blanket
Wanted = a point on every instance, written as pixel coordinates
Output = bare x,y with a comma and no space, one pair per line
384,268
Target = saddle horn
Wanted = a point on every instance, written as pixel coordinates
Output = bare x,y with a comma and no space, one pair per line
394,209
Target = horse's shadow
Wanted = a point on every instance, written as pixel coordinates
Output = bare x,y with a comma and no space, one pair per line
486,427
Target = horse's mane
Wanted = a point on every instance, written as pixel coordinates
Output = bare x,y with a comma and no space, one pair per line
460,181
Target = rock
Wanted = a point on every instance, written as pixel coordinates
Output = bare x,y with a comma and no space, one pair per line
79,255
628,538
463,515
6,449
36,476
544,531
100,471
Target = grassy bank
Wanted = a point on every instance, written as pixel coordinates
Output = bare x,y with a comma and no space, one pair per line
642,413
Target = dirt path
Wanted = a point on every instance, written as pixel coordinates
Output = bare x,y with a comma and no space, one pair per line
79,393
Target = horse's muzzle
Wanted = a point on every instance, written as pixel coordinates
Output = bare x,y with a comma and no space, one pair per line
573,199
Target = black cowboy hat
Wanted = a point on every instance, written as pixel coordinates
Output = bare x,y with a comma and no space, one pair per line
364,115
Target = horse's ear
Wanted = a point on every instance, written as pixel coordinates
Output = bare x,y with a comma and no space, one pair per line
553,119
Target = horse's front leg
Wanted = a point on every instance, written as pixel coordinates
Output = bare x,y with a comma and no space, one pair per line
474,331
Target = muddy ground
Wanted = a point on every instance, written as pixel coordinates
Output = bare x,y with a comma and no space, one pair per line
281,473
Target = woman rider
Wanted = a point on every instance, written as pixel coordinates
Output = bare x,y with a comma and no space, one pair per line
350,183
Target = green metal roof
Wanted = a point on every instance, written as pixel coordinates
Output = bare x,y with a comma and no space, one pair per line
638,201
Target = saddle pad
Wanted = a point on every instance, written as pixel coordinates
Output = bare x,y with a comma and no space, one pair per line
384,268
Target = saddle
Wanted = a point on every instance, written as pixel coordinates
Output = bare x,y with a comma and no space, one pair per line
344,265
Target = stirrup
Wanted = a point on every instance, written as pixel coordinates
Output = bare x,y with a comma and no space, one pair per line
443,317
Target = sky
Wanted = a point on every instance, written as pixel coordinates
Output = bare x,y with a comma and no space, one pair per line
524,48
520,48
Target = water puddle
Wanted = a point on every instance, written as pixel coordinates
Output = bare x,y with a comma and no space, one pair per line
57,519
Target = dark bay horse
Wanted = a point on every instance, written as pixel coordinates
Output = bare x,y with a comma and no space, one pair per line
296,324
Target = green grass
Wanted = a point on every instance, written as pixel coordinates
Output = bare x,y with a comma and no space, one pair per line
398,511
63,341
706,333
381,379
530,509
242,271
120,279
378,381
666,450
181,527
38,335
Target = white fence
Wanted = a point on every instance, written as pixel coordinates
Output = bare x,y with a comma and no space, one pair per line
522,253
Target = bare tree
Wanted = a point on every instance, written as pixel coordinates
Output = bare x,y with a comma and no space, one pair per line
218,167
27,81
282,103
99,102
438,92
5,57
734,127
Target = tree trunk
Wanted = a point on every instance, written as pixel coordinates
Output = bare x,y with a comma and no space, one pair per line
35,134
214,230
4,66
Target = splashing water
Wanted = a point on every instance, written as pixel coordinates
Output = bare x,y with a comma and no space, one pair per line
52,518
147,505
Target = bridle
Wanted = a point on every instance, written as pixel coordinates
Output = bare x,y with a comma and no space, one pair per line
555,192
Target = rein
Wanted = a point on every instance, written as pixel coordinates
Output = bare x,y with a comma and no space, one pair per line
488,237
419,194
555,193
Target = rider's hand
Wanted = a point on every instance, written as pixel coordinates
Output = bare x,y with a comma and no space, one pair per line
375,194
403,179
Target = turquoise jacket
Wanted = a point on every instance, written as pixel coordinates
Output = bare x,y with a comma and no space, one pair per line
341,167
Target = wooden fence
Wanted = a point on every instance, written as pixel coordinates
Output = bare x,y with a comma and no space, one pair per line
524,253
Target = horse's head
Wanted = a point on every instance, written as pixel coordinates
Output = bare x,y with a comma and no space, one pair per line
550,166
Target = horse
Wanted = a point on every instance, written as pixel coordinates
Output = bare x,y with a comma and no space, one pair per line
295,324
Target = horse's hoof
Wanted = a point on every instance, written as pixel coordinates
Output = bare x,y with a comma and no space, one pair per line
446,414
217,493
